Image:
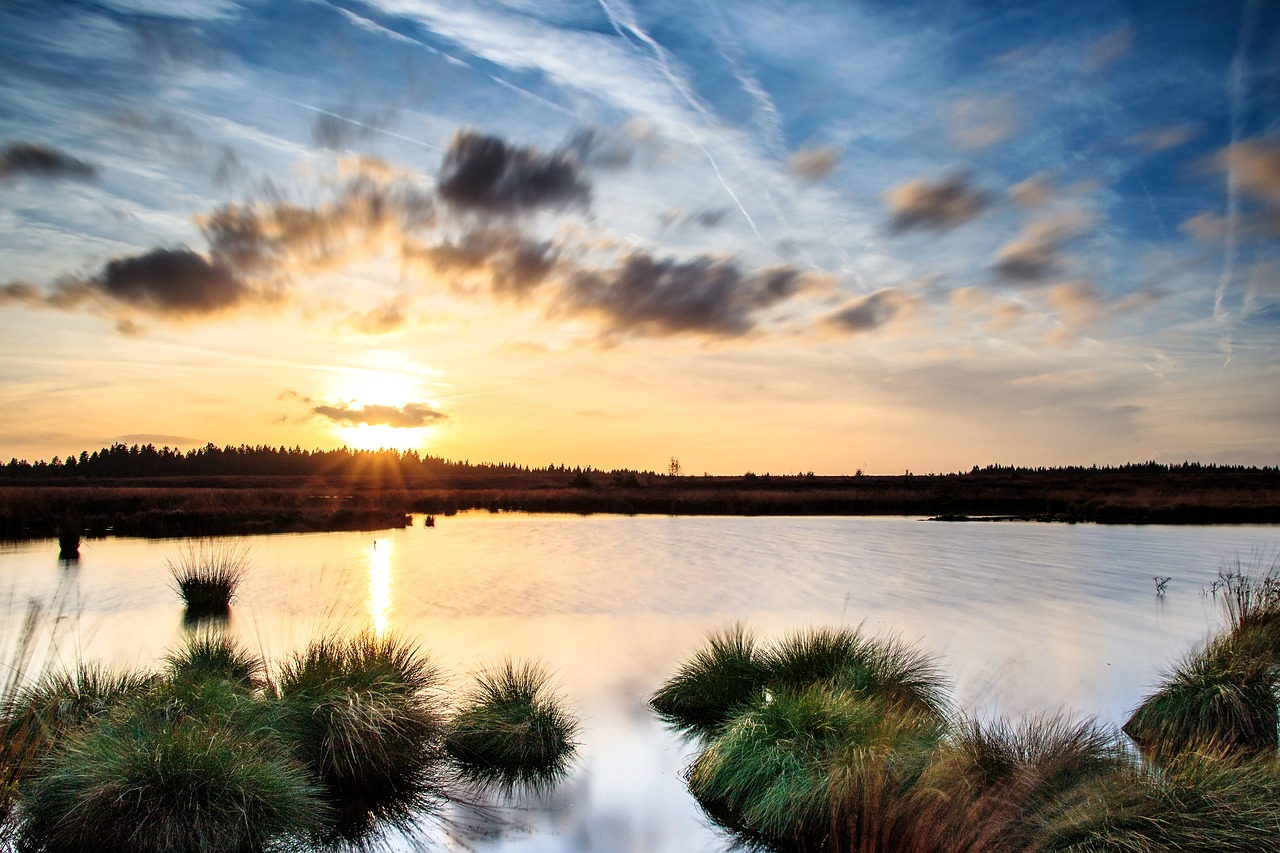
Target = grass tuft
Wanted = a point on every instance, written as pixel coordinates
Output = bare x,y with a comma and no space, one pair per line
207,575
210,655
723,677
887,670
510,732
164,773
361,713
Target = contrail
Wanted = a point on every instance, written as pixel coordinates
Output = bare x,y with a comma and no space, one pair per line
1236,94
632,25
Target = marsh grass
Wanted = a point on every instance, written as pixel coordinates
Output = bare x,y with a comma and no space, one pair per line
888,670
211,655
777,771
511,732
172,769
1222,696
207,574
363,714
724,676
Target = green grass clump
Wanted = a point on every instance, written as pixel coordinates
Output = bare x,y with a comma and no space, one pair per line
728,674
207,576
362,714
1222,695
886,670
171,771
211,655
780,772
36,717
511,732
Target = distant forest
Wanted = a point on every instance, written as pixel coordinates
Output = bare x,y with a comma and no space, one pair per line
140,490
146,461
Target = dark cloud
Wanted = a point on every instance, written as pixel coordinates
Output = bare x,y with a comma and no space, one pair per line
30,159
1037,252
510,264
486,174
940,206
869,312
173,282
406,416
703,296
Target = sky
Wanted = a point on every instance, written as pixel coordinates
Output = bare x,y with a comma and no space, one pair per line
754,236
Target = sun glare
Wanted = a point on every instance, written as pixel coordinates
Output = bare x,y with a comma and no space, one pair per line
359,389
382,437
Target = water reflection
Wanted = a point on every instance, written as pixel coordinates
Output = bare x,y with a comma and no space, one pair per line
1027,618
381,554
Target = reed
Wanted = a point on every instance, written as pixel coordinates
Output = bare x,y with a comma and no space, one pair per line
207,575
511,732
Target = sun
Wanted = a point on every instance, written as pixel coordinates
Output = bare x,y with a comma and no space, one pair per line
359,389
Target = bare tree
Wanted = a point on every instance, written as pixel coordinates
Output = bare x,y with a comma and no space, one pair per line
673,468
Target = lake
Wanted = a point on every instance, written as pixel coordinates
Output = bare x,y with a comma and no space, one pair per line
1027,618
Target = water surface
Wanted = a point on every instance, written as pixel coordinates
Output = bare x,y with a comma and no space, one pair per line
1027,618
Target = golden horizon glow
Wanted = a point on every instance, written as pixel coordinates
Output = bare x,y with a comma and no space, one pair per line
383,437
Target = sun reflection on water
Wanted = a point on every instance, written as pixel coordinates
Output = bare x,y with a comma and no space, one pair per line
380,554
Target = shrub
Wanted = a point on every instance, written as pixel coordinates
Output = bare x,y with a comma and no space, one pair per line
511,732
207,575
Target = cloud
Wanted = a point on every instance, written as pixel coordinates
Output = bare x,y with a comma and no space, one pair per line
383,319
981,122
503,260
1036,254
940,206
1077,302
174,283
336,131
1255,164
814,164
486,174
1162,138
1035,191
30,159
408,416
373,210
158,439
870,312
702,296
1207,226
1109,48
